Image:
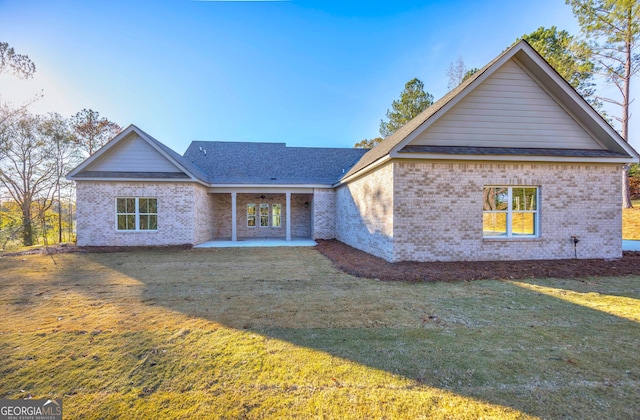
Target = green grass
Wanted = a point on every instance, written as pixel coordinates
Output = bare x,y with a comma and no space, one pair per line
278,332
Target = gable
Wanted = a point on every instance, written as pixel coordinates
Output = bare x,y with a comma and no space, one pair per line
132,154
508,109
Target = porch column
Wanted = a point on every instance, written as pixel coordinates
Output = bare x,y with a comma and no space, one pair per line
288,194
234,233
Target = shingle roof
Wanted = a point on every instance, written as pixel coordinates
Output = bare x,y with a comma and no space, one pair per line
270,163
194,170
510,151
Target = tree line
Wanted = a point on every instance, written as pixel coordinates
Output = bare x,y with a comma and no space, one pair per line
36,152
606,48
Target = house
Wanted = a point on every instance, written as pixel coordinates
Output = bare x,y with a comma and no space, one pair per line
512,164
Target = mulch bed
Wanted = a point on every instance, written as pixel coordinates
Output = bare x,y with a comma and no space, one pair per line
361,264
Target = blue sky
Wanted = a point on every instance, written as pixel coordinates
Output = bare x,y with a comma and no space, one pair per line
308,73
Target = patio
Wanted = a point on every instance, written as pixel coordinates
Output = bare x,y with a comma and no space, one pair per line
256,242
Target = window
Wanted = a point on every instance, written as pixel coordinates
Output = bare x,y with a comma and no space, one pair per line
251,215
135,213
264,215
276,212
510,212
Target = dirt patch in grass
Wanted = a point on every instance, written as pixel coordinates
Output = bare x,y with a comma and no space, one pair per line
361,264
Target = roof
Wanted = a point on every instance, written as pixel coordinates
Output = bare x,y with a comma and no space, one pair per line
270,163
242,163
217,163
510,151
561,89
191,169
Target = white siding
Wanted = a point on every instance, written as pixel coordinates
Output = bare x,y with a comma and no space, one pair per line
133,155
509,109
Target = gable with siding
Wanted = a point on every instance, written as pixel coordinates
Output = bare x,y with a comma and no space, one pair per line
517,107
133,154
508,109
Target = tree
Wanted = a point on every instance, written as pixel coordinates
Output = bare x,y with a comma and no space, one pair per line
413,100
613,29
9,116
470,73
634,180
570,57
19,64
65,153
93,132
456,73
368,144
27,171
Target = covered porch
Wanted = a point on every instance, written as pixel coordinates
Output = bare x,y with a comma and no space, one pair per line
255,216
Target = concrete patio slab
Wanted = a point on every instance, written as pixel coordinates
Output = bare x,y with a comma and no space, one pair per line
629,245
255,242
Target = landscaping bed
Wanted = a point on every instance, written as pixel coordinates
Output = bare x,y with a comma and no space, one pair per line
361,264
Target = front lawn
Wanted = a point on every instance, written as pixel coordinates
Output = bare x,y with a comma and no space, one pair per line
279,332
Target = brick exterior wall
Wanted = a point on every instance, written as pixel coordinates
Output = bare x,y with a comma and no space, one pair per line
222,211
300,215
405,210
438,211
432,211
323,219
204,213
300,221
364,213
96,217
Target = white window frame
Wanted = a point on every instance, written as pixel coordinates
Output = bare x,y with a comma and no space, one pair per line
275,217
509,212
254,215
136,213
271,217
260,207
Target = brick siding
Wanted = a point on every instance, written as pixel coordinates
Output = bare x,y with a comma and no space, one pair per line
404,210
432,211
364,213
204,213
324,214
438,211
96,217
